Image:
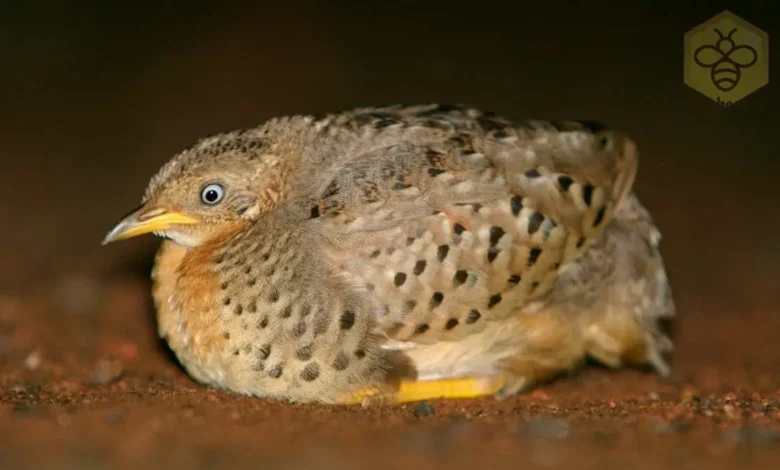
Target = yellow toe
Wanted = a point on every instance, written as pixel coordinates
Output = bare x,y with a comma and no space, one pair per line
411,391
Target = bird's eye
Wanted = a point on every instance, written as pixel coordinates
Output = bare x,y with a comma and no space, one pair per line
212,194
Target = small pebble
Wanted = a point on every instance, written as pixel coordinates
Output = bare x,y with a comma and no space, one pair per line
107,371
731,411
33,360
424,409
539,395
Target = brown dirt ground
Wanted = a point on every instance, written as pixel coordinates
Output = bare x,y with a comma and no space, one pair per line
93,388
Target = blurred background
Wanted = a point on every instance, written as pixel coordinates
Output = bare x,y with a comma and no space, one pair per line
96,96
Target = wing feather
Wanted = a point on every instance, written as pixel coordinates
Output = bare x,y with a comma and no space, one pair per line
454,218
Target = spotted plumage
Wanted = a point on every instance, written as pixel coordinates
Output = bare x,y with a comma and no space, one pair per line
375,247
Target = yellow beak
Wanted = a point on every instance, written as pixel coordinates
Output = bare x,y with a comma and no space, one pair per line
146,220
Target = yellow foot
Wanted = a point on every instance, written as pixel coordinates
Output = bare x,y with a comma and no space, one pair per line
409,391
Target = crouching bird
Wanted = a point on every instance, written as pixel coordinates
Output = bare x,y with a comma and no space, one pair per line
403,253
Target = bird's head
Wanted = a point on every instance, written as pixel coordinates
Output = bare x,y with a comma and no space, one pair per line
212,188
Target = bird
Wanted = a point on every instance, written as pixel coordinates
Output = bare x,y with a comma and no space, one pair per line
394,254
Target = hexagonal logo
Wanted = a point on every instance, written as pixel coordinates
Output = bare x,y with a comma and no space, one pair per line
726,58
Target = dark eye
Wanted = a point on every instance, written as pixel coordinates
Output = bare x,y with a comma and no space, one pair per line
212,194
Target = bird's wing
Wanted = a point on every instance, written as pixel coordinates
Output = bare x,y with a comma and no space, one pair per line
451,218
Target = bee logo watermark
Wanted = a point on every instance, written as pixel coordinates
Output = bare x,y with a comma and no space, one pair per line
726,58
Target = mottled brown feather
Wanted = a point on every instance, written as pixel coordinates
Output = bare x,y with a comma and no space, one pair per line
431,241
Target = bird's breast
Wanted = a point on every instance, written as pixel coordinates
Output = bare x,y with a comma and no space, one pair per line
184,291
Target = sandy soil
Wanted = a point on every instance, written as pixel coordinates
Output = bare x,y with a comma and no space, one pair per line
95,389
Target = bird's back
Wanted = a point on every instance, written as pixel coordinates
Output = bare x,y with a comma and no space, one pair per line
448,218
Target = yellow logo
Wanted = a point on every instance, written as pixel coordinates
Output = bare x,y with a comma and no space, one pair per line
726,58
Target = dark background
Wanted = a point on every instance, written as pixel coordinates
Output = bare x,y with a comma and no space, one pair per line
96,96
